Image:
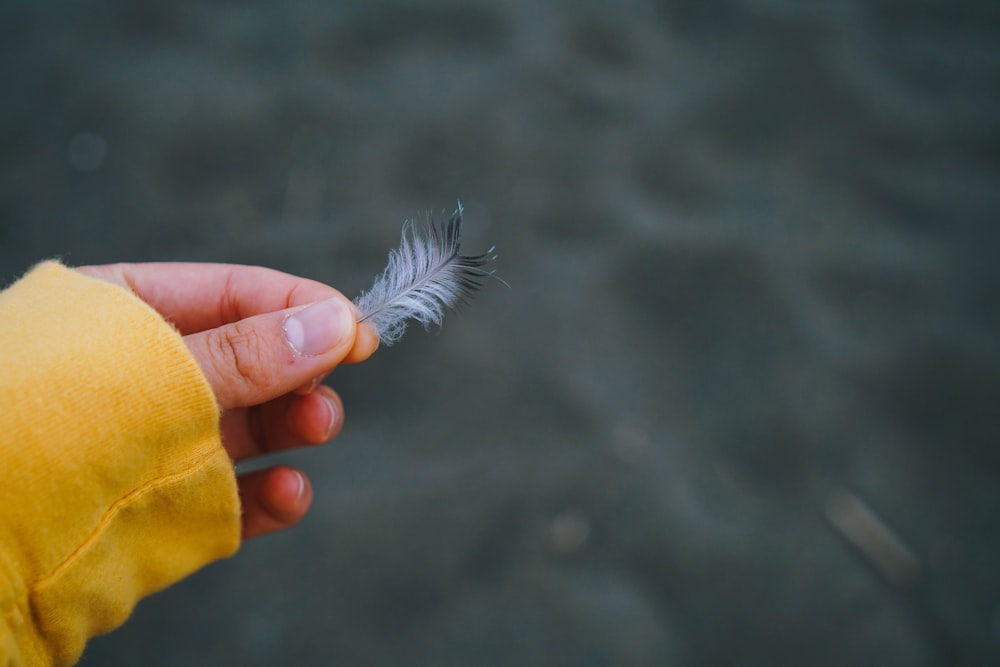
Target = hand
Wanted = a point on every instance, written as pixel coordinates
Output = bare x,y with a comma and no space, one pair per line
264,355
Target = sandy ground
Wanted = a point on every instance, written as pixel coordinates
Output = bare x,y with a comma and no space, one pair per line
740,402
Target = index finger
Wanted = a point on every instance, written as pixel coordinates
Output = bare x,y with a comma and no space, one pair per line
196,297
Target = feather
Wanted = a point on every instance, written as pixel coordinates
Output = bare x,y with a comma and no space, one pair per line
425,275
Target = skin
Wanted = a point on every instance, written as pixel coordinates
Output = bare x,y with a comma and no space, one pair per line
231,318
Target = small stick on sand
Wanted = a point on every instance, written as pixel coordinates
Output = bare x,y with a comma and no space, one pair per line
858,524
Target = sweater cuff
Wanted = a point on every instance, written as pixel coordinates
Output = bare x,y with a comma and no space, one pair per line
116,483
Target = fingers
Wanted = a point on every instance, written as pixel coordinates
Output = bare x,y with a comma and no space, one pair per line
230,315
273,499
257,335
260,358
287,422
199,296
365,344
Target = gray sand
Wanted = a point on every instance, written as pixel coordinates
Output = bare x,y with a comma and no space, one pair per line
740,403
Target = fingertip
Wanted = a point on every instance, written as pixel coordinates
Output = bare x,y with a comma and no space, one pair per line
317,416
273,500
365,344
335,411
286,494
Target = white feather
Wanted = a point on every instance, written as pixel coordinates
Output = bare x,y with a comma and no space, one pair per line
425,275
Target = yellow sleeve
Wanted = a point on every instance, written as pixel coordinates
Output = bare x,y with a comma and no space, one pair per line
114,481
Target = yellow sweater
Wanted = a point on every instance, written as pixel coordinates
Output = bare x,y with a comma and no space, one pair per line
113,480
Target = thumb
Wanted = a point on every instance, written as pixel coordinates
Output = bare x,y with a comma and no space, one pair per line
265,356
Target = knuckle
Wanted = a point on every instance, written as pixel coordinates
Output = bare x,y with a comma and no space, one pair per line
240,355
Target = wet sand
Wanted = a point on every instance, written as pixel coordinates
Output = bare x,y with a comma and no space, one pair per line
739,404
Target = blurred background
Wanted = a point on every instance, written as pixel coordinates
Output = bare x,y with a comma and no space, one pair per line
740,402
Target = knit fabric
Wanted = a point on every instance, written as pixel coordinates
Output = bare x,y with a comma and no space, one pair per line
114,480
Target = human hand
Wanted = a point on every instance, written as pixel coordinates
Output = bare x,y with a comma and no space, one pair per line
264,353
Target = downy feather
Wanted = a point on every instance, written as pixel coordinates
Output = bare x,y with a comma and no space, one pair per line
425,275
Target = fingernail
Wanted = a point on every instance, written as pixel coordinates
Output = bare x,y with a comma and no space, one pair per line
318,328
302,485
332,405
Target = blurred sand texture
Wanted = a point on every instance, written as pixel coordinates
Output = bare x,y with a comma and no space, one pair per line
741,403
